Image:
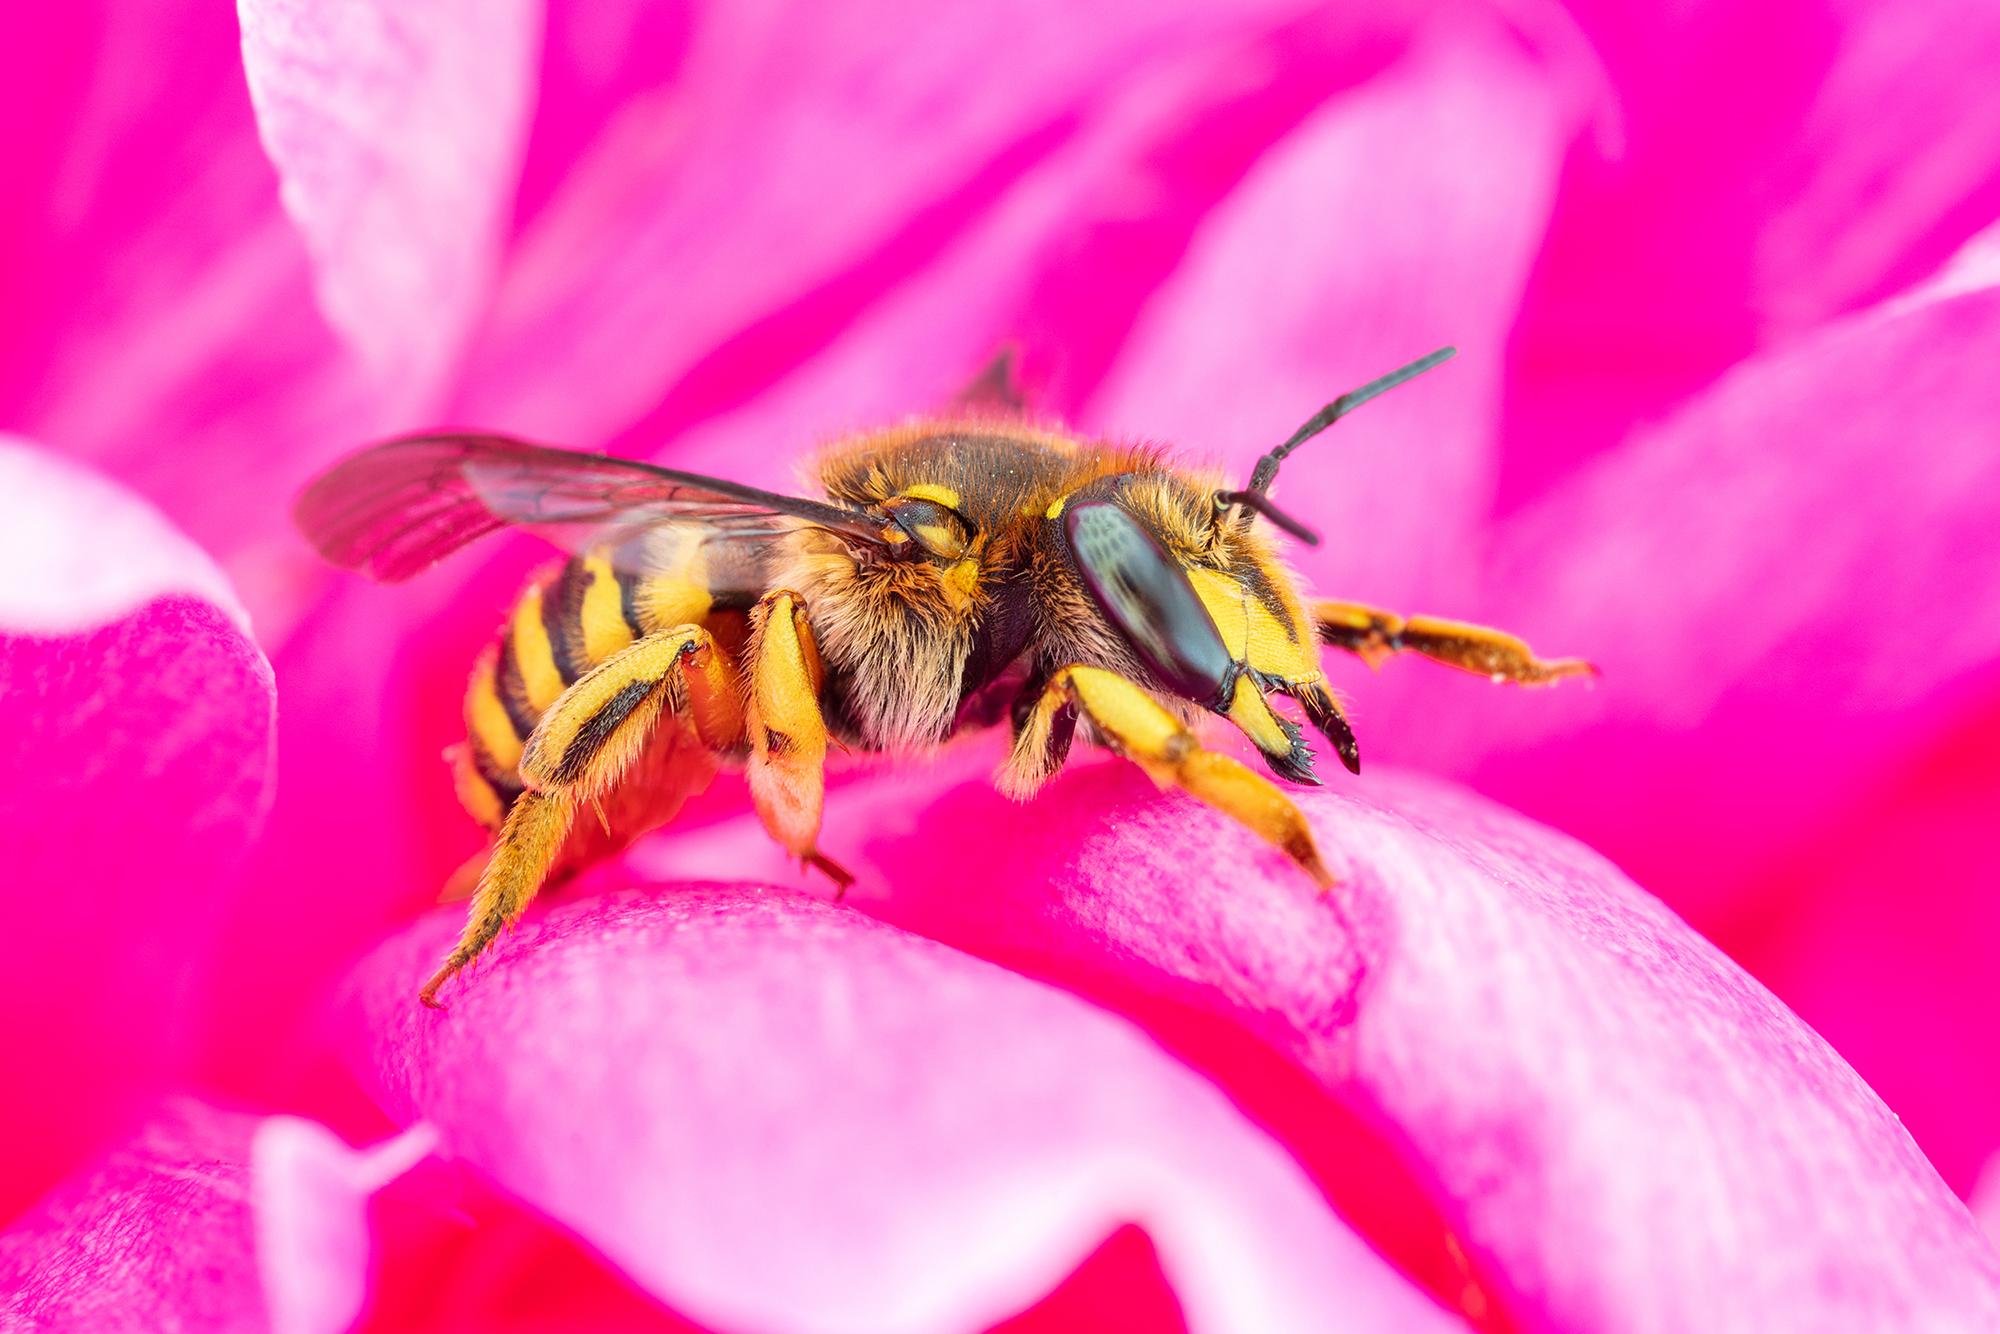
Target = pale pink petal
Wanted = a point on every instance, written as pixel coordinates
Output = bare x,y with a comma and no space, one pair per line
1777,164
1400,218
1621,1126
398,131
306,1193
797,155
801,1119
78,551
1986,1199
203,1220
134,771
159,311
1785,585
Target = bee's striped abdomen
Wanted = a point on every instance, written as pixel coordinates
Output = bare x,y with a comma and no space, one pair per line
564,624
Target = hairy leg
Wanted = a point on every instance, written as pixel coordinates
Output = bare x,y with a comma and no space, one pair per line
1373,635
579,751
1138,727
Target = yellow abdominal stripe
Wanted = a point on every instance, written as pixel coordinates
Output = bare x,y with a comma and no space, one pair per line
604,628
534,656
486,718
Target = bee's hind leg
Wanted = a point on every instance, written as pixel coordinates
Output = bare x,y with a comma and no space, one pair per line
579,751
1373,635
1135,724
787,769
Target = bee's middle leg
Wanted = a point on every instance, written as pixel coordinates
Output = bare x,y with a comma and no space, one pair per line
787,769
1138,727
579,751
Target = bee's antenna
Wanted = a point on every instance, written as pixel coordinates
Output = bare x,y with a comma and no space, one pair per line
1257,500
1267,467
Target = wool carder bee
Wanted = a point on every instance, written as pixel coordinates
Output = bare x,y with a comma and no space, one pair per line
951,573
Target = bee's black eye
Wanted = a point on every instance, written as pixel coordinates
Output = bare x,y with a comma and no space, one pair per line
936,529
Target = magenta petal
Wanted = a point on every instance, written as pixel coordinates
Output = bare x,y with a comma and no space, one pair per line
133,776
204,1220
1609,1113
307,1191
78,551
398,131
1842,148
798,158
777,1114
159,312
1785,584
1402,216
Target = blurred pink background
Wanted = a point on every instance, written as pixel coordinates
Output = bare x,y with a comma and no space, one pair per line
1723,280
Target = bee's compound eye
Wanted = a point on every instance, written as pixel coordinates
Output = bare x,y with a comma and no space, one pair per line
934,527
1148,597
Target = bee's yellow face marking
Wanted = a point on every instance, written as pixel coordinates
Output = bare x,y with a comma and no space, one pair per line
1247,626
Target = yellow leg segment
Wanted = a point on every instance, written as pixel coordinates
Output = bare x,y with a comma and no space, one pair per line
1135,724
581,748
1373,635
787,769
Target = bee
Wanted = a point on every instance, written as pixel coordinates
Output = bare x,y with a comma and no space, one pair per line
949,573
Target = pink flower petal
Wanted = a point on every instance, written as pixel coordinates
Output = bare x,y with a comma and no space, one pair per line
133,775
1880,927
398,131
159,314
801,1119
172,1229
1399,218
794,151
1777,165
77,551
1784,585
1986,1199
1623,1128
312,1235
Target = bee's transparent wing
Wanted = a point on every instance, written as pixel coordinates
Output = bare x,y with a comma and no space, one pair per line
397,508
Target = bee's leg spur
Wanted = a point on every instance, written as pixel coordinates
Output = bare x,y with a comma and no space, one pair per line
787,769
583,745
1373,635
1134,724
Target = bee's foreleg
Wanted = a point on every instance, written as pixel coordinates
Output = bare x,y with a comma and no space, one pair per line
1135,724
578,752
787,769
1373,635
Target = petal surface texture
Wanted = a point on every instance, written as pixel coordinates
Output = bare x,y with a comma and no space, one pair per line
1560,1054
398,132
802,1119
134,773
